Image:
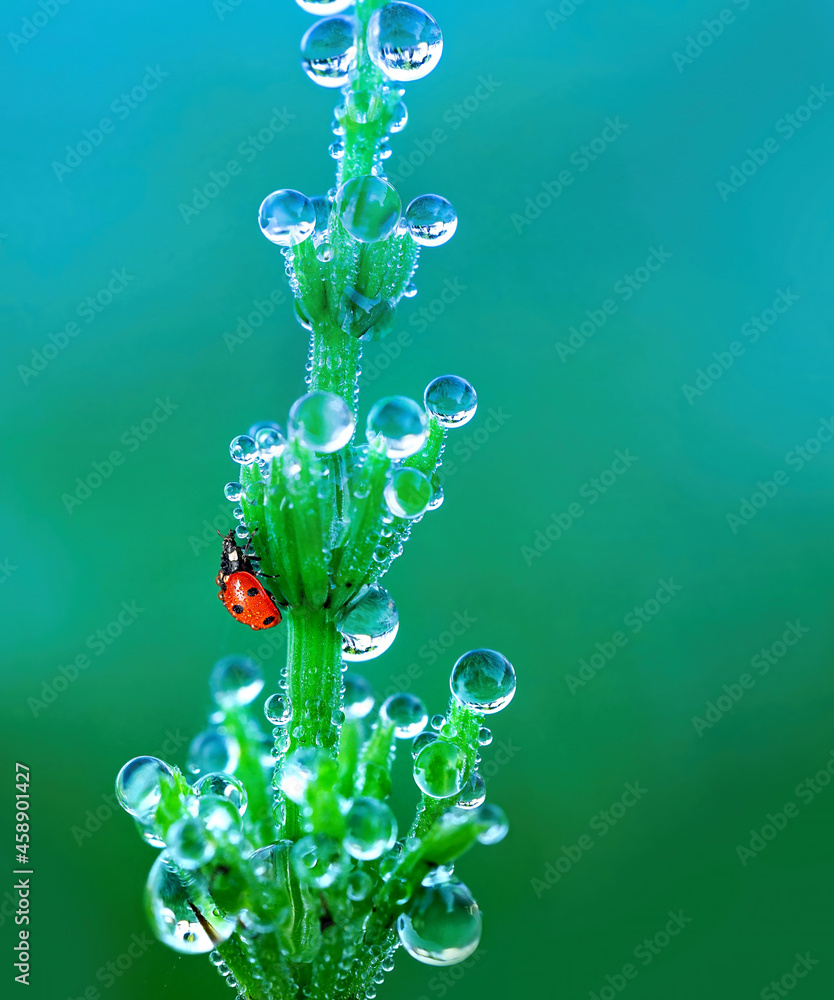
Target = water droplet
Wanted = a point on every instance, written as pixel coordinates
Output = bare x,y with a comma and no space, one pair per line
399,424
187,843
235,681
226,786
299,770
182,913
287,217
442,925
404,41
370,626
369,208
437,492
324,252
220,818
336,149
324,6
498,823
408,493
399,118
323,421
242,532
359,885
213,751
243,450
439,769
484,736
319,860
270,442
409,291
406,713
238,513
437,722
233,491
270,906
321,203
139,785
431,219
363,106
254,493
278,709
483,680
473,792
371,829
359,697
420,741
451,399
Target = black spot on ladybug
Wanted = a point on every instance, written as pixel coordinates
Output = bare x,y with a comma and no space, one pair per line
237,609
270,620
252,591
222,586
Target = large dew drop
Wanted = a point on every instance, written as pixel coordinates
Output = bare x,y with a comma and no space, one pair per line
139,785
369,208
328,51
439,769
213,751
408,493
442,926
406,713
322,421
226,786
483,680
287,217
370,626
235,681
181,912
431,220
319,860
404,42
187,843
371,829
451,399
399,425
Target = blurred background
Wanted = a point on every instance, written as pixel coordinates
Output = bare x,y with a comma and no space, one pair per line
639,516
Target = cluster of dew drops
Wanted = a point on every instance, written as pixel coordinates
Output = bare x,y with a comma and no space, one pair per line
441,924
405,43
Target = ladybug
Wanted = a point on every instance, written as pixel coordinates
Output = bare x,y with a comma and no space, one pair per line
244,595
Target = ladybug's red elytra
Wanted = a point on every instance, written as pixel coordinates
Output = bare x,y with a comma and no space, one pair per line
244,596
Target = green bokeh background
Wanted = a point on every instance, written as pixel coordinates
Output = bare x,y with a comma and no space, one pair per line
563,421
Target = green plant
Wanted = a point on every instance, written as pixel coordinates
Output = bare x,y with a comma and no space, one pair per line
280,852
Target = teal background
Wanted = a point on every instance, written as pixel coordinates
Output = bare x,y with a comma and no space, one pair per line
571,753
